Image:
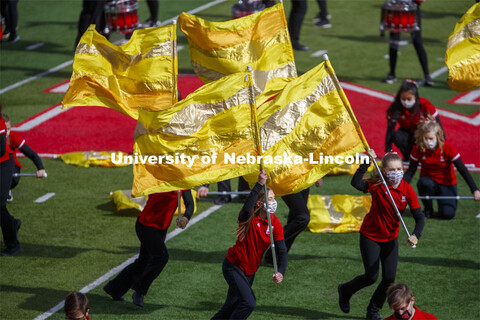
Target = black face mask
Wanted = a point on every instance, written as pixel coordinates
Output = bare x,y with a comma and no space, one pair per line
404,316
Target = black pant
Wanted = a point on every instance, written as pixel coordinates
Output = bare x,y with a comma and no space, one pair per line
8,9
240,298
92,13
446,208
417,43
6,220
299,9
15,180
153,9
152,259
372,253
323,9
404,140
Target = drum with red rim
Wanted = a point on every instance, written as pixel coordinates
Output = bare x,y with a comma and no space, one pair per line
122,15
399,16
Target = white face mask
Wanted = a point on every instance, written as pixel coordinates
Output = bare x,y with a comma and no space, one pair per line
272,206
394,177
431,144
408,103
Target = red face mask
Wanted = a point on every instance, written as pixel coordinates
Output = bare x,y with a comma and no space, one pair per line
405,315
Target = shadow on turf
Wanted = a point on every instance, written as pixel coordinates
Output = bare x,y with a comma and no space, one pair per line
283,311
373,39
62,252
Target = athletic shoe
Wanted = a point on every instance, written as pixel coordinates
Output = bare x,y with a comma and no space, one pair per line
390,79
137,299
318,17
299,47
12,251
343,301
222,200
323,24
9,197
15,39
109,291
428,80
373,316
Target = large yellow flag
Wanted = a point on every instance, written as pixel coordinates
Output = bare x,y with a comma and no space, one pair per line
463,52
141,73
198,140
261,40
307,130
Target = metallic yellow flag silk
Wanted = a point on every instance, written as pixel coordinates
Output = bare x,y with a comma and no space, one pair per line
213,123
463,52
307,120
260,40
140,74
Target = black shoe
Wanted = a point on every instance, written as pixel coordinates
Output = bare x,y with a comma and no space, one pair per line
13,39
428,81
137,299
109,291
299,47
222,200
390,78
12,251
318,17
343,301
373,316
323,24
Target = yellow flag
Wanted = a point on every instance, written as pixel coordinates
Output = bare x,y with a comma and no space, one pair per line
141,73
261,40
92,159
197,140
463,52
339,213
304,129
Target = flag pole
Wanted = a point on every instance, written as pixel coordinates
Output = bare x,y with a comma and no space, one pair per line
179,197
259,149
362,137
173,35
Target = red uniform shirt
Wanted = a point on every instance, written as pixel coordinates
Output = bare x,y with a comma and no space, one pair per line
419,315
381,224
3,131
247,254
15,142
159,210
437,164
409,120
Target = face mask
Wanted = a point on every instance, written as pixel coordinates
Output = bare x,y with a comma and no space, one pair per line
394,177
408,103
431,144
272,206
405,315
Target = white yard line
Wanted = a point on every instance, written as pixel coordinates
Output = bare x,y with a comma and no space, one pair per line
118,268
35,46
45,197
40,119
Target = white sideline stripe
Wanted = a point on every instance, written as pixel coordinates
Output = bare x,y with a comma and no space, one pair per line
45,197
384,96
318,53
434,74
35,77
61,89
34,46
40,119
193,11
117,269
478,215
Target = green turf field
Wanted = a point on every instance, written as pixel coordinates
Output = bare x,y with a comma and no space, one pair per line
76,236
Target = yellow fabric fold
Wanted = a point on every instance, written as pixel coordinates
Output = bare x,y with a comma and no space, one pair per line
463,52
339,213
92,159
205,130
141,73
260,40
305,123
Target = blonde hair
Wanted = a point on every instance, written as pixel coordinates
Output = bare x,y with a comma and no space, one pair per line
243,226
397,294
426,127
387,158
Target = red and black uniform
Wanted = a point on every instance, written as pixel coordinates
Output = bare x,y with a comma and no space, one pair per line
16,142
9,224
378,236
151,228
407,120
437,177
243,260
419,315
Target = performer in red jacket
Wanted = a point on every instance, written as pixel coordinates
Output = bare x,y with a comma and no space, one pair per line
401,300
243,259
379,231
